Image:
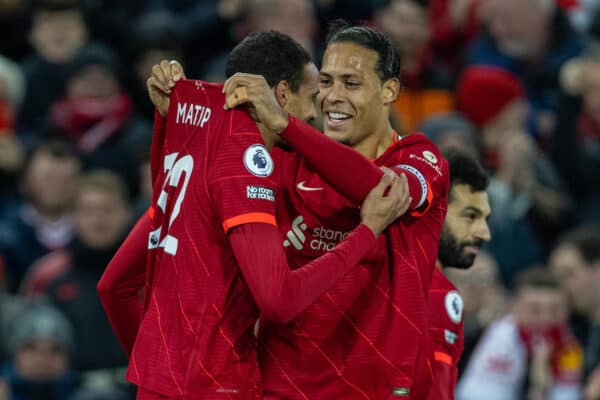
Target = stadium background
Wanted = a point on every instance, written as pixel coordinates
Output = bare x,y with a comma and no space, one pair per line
514,82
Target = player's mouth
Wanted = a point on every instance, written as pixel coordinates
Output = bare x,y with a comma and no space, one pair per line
336,119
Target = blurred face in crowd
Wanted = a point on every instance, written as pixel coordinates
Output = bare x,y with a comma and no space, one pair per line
295,18
51,182
41,360
465,227
591,89
519,27
101,217
452,140
57,35
93,82
538,308
301,103
510,120
407,24
353,99
580,279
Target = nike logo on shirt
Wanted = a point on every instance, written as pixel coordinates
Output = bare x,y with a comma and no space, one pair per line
301,186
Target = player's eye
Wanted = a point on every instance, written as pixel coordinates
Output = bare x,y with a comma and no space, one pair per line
352,84
324,81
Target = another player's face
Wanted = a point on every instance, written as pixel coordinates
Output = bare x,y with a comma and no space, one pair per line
578,278
351,93
302,103
465,228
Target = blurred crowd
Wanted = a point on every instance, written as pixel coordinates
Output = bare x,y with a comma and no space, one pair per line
516,83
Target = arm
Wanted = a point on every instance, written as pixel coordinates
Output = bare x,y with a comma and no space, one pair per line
120,286
345,169
280,293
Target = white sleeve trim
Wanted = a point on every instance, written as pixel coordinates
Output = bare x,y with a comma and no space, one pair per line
420,178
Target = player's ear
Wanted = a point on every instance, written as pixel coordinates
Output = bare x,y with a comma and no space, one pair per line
282,90
391,90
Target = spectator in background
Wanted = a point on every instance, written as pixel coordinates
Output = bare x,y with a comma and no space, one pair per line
14,15
427,85
208,25
12,91
455,25
40,344
576,144
452,131
69,278
532,39
58,31
576,262
527,195
97,115
485,299
43,221
155,37
530,353
295,18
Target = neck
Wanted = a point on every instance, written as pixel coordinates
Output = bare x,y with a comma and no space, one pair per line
375,145
269,137
438,265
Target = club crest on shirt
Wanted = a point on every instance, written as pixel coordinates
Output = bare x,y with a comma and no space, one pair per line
258,161
454,306
430,156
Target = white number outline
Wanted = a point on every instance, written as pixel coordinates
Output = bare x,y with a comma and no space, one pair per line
174,169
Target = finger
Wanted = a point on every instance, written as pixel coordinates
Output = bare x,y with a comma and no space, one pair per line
165,66
385,181
153,84
386,170
176,70
237,97
159,77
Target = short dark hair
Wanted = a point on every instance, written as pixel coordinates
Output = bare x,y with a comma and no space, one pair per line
537,278
465,169
388,62
104,181
271,54
56,148
586,239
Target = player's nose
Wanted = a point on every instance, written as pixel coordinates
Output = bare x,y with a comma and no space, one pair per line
482,231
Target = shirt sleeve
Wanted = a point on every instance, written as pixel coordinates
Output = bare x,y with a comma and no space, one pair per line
241,185
121,284
158,137
347,171
281,293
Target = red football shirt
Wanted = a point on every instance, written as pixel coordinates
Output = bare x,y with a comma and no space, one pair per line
447,332
196,338
368,337
196,334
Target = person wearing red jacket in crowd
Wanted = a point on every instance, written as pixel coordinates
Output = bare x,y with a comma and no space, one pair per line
465,230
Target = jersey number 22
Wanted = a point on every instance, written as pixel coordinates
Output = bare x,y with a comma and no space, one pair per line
175,169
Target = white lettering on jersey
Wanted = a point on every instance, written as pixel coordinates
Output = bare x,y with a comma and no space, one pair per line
192,114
